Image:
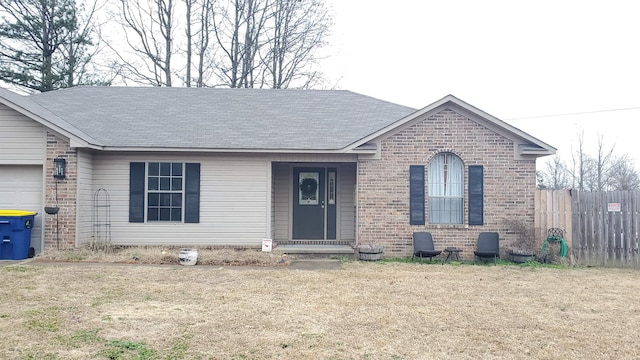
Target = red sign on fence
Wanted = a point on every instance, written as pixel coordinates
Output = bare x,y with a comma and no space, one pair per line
613,207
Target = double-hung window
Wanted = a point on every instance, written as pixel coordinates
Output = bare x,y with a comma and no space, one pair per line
164,191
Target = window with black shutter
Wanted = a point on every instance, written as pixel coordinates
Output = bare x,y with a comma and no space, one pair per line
416,195
476,195
192,193
136,191
164,191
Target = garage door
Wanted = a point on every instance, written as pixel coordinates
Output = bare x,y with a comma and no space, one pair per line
21,189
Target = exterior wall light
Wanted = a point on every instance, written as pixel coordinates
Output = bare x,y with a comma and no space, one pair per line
59,168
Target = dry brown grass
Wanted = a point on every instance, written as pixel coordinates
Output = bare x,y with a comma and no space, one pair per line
363,311
165,255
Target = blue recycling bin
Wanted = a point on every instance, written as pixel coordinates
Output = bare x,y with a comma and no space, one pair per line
15,233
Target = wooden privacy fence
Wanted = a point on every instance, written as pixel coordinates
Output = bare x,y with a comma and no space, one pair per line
601,228
553,210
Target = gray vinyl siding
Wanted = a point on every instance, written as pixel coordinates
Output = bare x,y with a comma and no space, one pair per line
346,193
233,201
85,209
282,200
22,140
282,175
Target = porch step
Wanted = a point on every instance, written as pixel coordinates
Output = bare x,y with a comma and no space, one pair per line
314,250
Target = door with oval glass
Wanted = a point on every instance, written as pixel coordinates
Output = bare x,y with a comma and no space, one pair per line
313,214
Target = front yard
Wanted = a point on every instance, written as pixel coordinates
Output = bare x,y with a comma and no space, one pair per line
363,311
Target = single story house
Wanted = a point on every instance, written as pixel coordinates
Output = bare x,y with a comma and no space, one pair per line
231,167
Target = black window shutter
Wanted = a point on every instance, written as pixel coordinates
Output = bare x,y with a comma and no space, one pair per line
136,191
192,193
476,195
416,195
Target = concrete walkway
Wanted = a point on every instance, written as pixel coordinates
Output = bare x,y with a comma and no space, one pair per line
313,249
313,264
11,262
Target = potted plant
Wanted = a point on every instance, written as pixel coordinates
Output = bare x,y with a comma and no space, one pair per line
370,252
524,247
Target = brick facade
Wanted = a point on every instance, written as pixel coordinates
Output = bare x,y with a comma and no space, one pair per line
383,184
66,190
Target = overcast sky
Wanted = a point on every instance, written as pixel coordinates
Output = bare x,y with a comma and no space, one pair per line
512,59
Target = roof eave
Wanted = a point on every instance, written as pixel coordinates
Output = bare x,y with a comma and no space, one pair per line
550,150
219,150
537,151
44,117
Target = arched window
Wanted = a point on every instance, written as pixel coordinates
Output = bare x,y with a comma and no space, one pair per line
446,189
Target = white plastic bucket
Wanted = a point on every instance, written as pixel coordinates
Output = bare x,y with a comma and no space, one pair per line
188,256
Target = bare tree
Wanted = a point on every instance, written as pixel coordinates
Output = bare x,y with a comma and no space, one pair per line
579,158
270,43
237,28
202,40
46,44
234,43
149,29
555,176
198,32
206,16
540,181
589,174
623,174
603,160
256,16
188,33
299,30
601,172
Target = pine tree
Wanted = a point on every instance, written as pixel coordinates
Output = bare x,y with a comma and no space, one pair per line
43,44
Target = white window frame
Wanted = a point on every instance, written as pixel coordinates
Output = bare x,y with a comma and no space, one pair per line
446,189
171,177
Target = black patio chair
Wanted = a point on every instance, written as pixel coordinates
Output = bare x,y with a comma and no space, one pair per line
423,246
488,246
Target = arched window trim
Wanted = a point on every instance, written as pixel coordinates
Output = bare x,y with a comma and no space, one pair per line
446,189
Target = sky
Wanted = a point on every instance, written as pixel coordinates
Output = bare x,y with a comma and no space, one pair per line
524,62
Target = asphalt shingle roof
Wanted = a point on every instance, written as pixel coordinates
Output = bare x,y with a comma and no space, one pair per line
206,118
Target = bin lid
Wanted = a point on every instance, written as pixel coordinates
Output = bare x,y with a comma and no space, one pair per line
17,213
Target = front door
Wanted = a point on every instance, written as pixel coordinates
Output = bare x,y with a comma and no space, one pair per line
309,203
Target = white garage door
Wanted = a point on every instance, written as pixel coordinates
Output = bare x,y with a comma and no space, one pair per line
21,189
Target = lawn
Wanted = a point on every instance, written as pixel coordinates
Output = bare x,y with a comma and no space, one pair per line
366,310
